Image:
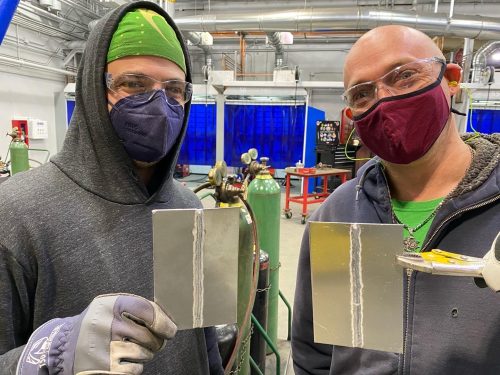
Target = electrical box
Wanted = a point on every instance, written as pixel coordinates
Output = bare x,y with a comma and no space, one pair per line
38,128
22,126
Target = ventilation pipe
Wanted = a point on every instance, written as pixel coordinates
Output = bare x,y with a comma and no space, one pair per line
7,10
274,40
479,63
23,63
196,40
170,7
335,19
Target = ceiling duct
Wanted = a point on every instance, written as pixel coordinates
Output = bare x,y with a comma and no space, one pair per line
196,39
345,19
274,40
480,62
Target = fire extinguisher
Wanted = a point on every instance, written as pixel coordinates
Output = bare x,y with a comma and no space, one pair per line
18,150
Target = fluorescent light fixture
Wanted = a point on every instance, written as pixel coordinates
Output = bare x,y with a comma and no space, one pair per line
496,56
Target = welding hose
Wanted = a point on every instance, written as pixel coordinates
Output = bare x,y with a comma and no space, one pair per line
253,289
201,187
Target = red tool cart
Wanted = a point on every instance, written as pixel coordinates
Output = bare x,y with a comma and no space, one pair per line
306,198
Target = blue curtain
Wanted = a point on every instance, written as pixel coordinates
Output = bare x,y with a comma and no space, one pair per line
198,147
70,107
313,115
485,121
276,131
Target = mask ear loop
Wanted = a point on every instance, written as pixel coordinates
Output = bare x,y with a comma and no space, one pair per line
345,148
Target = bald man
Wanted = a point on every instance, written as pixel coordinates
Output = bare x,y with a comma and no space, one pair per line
441,186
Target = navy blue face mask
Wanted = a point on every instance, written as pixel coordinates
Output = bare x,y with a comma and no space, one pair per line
147,125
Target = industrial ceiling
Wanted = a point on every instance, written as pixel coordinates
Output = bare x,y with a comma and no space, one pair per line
66,23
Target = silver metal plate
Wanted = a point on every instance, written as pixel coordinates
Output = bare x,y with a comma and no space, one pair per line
196,265
357,286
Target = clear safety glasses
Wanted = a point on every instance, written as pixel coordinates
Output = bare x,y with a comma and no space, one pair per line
133,86
402,80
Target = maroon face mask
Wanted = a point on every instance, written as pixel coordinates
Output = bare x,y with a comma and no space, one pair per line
401,129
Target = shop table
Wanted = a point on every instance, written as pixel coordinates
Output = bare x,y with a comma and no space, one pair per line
305,198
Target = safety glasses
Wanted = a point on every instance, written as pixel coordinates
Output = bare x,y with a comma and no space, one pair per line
402,80
136,87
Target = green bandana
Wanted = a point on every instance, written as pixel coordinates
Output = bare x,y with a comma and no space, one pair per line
144,32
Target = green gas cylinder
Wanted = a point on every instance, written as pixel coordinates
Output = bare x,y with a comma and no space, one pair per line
18,156
245,273
264,196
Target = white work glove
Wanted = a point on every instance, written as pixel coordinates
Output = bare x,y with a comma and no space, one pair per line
491,270
116,334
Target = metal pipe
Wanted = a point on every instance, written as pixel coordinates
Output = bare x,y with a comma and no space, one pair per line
44,29
74,4
37,66
479,62
274,40
290,4
195,39
452,5
329,19
170,7
43,13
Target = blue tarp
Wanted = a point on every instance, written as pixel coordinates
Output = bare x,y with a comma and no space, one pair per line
484,121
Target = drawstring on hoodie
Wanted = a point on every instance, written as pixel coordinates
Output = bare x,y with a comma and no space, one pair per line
362,179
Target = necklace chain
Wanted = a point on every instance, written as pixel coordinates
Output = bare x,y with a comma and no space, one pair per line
410,244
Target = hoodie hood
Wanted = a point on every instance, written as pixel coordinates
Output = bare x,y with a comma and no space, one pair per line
92,154
473,188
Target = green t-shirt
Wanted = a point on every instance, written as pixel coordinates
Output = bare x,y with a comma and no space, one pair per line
413,214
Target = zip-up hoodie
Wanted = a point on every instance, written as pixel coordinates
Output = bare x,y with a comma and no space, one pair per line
80,225
450,325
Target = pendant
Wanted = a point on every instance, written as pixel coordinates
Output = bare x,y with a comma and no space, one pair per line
410,244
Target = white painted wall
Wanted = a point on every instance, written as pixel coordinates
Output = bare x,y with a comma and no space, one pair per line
29,92
28,96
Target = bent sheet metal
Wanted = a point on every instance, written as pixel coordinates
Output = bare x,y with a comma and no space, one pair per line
196,265
357,286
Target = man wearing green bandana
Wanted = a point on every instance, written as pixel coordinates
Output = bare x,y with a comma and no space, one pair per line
76,277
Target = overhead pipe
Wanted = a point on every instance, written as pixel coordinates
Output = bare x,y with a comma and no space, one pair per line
44,29
195,40
274,40
297,4
333,19
23,63
43,13
479,63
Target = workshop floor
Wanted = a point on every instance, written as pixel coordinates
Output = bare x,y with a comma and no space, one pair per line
291,231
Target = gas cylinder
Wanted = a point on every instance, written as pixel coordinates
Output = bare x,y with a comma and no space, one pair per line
264,196
245,273
18,154
227,194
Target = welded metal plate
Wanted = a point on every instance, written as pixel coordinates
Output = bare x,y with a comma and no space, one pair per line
196,265
356,284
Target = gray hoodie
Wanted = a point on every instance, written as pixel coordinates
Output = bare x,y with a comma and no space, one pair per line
450,325
82,225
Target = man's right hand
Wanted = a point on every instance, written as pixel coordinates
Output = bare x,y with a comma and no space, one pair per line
116,334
